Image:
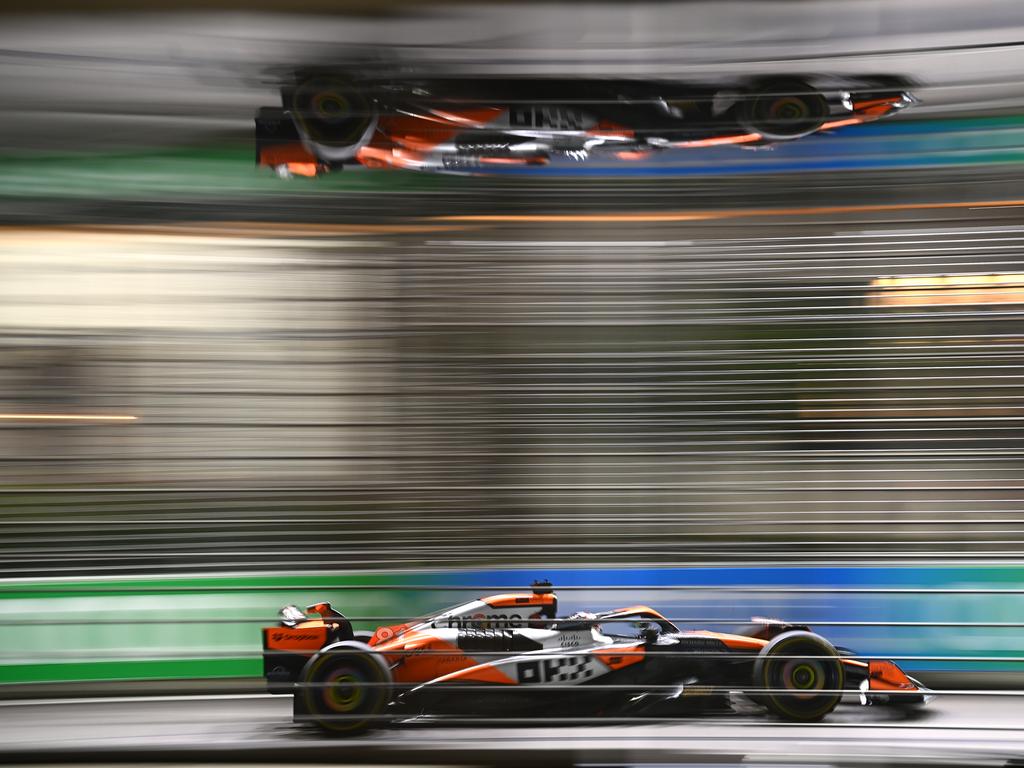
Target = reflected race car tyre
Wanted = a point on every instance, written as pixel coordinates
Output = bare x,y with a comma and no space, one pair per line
329,111
783,110
816,681
344,688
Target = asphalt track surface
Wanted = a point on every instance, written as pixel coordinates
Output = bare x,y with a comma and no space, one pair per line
968,729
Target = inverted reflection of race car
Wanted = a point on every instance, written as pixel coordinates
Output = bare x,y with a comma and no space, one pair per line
508,656
328,121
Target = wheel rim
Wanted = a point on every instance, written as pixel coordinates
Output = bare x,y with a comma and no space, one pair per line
330,106
788,109
803,675
343,691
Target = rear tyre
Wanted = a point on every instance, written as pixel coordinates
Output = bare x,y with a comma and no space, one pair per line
805,664
783,110
344,688
333,114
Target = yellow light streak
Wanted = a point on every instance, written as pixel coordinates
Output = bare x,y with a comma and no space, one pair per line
66,417
923,290
670,216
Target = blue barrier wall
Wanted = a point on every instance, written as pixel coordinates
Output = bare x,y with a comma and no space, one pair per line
895,144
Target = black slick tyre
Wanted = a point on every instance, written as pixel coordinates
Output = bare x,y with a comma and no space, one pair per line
801,676
344,689
332,112
783,110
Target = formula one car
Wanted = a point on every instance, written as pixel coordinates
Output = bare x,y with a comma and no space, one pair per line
508,655
328,121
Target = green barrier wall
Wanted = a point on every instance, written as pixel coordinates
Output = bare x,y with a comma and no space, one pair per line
209,627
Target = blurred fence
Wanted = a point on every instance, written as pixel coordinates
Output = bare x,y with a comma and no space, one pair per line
212,402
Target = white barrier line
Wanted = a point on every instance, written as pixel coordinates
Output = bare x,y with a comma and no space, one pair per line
134,699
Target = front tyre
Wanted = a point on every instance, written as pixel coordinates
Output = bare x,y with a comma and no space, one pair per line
802,675
344,688
783,110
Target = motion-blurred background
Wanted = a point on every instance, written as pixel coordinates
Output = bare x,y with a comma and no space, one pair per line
797,370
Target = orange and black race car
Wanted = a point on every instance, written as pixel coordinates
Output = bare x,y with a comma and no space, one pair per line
508,655
328,120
